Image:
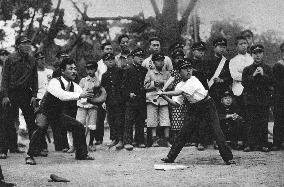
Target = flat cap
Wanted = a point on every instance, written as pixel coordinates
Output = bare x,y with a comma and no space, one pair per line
138,52
177,53
220,41
158,56
257,48
198,46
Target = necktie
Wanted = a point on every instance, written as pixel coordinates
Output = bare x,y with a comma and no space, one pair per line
68,86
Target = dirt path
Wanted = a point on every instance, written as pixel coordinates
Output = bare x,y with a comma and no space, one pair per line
136,168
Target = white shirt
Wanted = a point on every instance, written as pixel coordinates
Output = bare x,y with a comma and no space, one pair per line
192,89
237,66
54,88
149,64
102,68
43,78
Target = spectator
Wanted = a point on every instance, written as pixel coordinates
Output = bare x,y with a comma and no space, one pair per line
257,81
115,105
248,35
278,129
155,47
122,59
135,98
157,108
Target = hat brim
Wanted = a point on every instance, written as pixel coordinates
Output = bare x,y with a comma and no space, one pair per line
161,58
199,48
258,51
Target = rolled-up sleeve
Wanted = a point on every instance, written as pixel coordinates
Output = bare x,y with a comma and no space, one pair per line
54,88
234,70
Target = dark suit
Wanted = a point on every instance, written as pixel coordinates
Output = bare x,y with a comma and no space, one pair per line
257,90
135,111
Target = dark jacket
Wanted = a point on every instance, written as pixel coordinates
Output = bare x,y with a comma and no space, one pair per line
217,89
19,73
257,89
201,71
112,82
134,83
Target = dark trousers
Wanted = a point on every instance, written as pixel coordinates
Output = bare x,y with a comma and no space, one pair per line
69,123
21,98
59,137
258,125
115,115
99,132
134,115
205,109
242,103
278,129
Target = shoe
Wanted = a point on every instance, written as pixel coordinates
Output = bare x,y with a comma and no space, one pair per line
55,178
141,145
229,162
85,158
128,147
41,153
113,143
16,151
275,148
247,149
167,160
6,184
98,142
3,156
135,144
71,150
65,150
119,145
264,149
200,147
30,161
155,142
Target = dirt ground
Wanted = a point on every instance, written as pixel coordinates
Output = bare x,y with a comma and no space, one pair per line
136,168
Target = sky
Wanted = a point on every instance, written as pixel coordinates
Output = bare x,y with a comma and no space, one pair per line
257,15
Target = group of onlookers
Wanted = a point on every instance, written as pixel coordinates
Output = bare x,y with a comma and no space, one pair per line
126,89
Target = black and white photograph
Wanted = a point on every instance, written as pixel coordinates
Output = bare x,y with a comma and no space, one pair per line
129,93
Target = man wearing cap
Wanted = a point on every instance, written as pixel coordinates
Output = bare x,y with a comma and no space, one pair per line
106,47
219,77
59,57
257,81
201,72
201,107
122,59
59,92
112,81
278,129
155,47
135,97
20,86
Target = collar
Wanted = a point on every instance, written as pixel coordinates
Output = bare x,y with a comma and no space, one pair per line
158,72
65,82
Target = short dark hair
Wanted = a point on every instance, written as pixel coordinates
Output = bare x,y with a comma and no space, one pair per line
243,33
282,47
105,44
154,39
238,38
122,36
66,61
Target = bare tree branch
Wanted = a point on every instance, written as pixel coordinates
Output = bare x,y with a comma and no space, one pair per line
155,7
186,13
77,8
39,28
30,27
56,12
86,18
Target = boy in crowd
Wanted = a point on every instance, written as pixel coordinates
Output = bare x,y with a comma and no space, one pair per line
278,129
219,77
112,82
157,107
87,112
135,98
201,72
155,47
201,106
230,121
257,81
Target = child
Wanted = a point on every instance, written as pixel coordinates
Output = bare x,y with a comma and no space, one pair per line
230,121
112,82
201,107
87,112
157,107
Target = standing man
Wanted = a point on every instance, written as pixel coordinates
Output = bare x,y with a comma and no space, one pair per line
122,59
155,47
219,77
248,35
59,91
20,86
257,81
278,129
